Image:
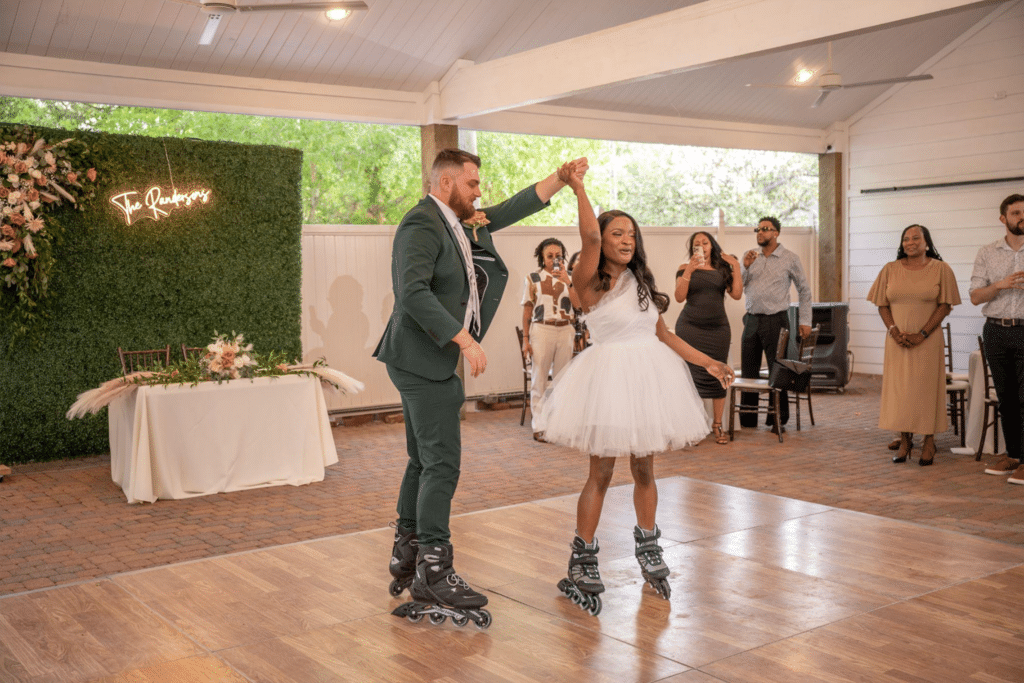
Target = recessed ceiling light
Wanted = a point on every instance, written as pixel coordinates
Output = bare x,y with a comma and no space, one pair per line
804,75
338,14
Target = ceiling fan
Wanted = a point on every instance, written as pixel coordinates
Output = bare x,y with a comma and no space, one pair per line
216,9
829,81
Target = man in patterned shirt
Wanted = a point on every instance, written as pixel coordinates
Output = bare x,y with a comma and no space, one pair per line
767,275
998,282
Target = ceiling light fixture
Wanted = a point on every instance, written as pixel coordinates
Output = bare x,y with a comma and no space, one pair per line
337,14
210,30
803,75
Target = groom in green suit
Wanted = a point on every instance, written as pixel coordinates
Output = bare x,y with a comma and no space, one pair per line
448,280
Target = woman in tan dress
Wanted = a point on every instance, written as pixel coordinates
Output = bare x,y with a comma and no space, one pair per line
914,294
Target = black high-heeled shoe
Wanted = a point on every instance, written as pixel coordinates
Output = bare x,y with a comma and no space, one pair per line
906,446
927,447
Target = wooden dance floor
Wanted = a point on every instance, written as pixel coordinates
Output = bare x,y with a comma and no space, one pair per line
763,589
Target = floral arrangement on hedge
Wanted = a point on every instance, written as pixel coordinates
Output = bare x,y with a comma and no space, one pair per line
226,358
35,179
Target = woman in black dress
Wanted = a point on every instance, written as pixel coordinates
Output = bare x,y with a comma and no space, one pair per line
702,283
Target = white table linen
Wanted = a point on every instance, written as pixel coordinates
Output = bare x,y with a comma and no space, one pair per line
976,411
180,441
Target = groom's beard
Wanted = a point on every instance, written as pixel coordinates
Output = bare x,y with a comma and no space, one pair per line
459,203
1017,229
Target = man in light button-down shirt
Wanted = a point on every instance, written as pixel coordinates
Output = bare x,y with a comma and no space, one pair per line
767,275
998,282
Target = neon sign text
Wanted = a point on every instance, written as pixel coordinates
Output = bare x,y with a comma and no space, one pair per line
155,204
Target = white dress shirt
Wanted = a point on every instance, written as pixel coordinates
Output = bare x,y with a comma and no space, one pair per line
472,319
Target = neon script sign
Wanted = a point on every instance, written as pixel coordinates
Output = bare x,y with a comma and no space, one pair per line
155,204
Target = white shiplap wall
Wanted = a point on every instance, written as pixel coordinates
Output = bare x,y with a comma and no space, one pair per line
966,124
347,298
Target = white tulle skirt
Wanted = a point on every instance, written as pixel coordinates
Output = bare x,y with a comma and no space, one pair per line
620,399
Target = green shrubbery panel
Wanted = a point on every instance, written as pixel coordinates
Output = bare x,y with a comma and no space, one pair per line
233,264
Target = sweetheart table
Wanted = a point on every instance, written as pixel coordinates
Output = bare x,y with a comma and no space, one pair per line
180,441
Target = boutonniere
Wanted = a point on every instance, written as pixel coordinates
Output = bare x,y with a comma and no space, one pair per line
478,220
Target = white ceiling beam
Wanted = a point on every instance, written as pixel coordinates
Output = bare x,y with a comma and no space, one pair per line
574,122
693,37
79,81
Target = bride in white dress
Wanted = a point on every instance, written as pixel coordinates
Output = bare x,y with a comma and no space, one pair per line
630,393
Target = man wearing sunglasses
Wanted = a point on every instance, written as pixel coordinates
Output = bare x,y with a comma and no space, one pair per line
767,275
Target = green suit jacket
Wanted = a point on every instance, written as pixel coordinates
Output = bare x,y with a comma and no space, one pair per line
431,289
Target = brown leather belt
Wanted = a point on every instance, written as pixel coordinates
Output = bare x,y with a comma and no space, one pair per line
553,323
1006,322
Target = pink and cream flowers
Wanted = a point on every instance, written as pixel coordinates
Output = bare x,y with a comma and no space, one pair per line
228,357
35,178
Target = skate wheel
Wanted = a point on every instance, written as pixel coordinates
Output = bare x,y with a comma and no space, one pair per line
436,618
664,589
594,605
395,589
485,619
415,617
460,621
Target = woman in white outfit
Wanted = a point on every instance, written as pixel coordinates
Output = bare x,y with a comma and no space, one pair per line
629,394
548,316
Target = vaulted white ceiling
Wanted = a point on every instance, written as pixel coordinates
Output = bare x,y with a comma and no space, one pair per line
482,62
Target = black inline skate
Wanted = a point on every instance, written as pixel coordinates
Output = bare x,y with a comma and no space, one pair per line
652,563
403,559
438,592
584,585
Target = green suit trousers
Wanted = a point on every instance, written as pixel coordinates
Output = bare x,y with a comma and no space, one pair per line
434,443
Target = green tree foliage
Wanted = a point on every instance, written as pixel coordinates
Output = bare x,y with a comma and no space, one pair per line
370,174
661,185
667,185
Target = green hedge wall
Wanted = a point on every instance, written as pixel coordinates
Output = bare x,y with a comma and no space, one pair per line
231,265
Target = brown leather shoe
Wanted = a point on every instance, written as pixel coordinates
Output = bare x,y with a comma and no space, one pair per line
539,437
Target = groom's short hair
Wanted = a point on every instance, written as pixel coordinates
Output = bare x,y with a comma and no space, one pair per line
451,161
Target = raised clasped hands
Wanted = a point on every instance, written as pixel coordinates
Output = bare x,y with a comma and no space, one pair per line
572,172
722,372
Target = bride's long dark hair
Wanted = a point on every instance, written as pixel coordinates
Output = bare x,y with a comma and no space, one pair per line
645,288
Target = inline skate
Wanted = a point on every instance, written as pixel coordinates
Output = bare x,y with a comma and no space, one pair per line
438,592
403,559
652,563
583,585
